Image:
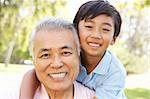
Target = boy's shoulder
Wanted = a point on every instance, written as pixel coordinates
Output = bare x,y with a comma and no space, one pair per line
116,64
110,63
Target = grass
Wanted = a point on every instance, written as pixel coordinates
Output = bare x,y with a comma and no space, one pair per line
137,93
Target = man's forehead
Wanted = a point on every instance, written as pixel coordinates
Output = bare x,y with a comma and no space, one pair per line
70,47
61,40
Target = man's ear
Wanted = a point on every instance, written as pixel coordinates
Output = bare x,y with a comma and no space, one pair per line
33,61
113,40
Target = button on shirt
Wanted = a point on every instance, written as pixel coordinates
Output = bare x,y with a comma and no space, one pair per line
107,79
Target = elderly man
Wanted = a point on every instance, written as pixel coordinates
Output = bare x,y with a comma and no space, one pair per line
54,46
55,49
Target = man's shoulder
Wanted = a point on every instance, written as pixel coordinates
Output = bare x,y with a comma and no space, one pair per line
82,91
41,93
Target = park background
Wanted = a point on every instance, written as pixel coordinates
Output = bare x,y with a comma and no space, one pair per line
18,17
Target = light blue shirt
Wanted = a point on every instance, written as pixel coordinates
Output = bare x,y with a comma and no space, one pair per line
107,79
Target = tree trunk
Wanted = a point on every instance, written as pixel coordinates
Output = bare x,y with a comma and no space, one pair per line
12,43
10,50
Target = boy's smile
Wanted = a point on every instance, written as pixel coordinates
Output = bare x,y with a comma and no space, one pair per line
94,45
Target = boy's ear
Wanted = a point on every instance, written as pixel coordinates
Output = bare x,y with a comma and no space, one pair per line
113,40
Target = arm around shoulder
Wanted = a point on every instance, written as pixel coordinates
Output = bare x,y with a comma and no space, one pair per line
29,85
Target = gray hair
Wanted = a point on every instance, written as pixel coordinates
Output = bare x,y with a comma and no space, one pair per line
48,24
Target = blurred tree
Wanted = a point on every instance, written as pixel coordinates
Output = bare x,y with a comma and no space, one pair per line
8,29
135,34
17,19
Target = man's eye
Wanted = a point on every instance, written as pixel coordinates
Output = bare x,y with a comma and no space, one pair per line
45,56
66,53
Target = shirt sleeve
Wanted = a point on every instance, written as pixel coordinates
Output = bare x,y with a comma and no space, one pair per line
101,93
112,87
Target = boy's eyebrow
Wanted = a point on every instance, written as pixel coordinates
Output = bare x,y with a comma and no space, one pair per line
89,20
105,23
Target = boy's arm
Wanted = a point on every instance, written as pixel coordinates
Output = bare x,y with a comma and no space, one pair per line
29,85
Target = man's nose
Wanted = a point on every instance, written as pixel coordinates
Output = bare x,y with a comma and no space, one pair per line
56,62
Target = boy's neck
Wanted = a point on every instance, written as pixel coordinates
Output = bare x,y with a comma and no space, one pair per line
90,62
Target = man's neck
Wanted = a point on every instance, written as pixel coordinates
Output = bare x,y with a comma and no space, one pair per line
64,94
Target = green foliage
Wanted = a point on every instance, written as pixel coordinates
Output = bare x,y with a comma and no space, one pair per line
133,63
142,3
17,19
132,49
147,3
137,93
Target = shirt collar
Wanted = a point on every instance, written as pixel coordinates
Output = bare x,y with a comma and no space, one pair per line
103,66
44,93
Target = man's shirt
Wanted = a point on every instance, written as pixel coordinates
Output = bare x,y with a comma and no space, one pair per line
80,92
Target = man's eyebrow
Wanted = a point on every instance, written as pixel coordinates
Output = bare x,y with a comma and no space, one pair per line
66,47
44,50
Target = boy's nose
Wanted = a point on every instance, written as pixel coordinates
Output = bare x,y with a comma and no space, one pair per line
96,34
56,62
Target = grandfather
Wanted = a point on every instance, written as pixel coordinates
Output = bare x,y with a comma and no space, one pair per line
54,46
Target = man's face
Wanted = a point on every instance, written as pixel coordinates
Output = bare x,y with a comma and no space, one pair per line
56,59
96,34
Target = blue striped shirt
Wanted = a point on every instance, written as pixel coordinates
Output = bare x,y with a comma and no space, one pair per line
107,79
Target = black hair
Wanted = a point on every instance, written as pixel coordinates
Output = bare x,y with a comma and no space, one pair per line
91,9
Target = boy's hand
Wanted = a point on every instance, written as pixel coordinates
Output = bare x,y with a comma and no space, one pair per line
94,97
29,85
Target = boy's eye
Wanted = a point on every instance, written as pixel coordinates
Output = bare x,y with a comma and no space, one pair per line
88,26
45,56
66,53
106,30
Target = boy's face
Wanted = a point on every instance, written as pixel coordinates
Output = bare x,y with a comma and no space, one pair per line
96,34
56,59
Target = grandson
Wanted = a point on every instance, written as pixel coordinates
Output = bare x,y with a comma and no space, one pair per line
98,24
